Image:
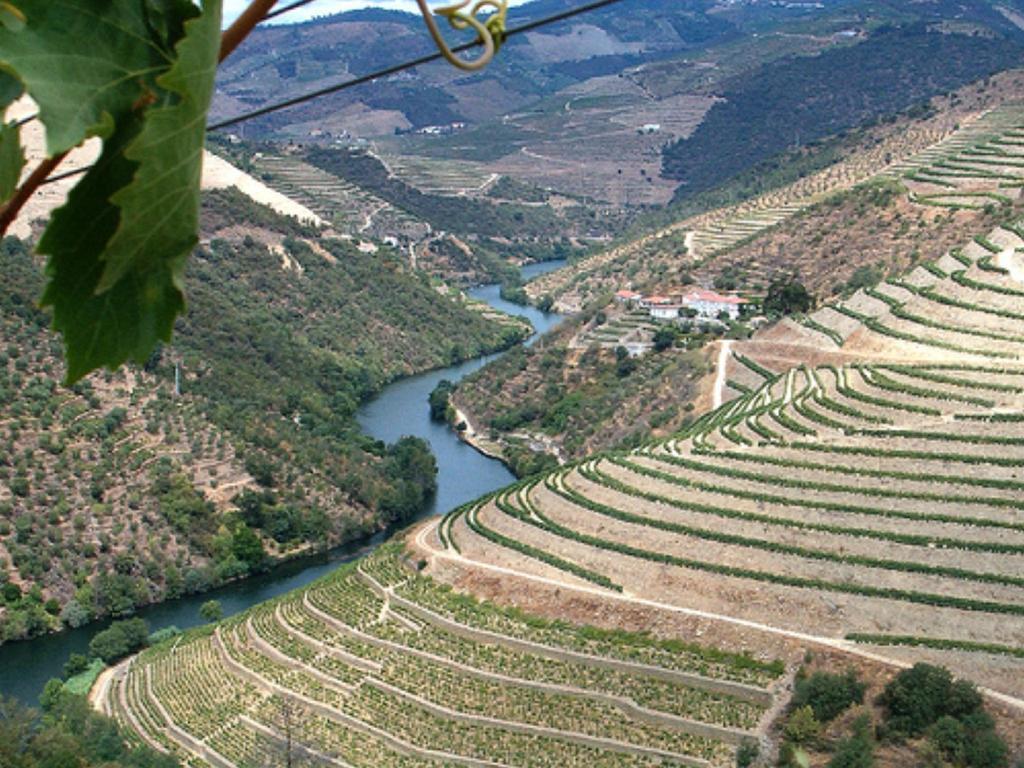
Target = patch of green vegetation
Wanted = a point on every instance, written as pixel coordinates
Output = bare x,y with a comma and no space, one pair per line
68,732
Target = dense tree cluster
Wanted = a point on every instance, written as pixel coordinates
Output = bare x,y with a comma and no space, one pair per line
68,733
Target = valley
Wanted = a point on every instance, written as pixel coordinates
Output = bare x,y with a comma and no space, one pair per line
651,396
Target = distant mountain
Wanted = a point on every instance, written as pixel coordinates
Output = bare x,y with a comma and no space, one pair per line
627,105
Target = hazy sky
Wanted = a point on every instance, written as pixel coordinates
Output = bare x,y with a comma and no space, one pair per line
323,7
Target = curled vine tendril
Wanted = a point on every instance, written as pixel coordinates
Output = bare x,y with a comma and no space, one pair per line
490,31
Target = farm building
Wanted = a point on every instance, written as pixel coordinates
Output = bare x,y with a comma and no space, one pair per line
629,298
712,304
665,311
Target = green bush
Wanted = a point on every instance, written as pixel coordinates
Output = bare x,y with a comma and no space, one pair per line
857,751
119,640
827,694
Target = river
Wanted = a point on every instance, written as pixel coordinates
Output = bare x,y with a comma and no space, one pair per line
463,474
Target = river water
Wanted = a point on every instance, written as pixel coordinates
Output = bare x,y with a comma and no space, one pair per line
463,474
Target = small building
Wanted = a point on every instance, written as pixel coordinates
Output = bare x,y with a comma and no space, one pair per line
710,304
649,128
665,311
649,302
629,298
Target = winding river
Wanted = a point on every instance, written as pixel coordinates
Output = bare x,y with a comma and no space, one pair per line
400,409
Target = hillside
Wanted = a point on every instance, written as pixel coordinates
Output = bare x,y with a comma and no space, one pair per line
877,211
806,224
131,487
858,488
854,509
610,107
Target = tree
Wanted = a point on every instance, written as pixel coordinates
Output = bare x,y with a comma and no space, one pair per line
916,698
802,725
76,663
664,338
119,640
747,753
211,610
857,751
828,694
787,295
439,400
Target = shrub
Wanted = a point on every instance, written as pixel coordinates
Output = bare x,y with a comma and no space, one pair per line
857,751
827,694
119,640
918,697
802,725
747,753
211,610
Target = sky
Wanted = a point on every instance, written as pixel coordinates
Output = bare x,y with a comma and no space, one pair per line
324,7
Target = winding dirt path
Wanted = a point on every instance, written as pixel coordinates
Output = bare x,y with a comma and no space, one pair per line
723,360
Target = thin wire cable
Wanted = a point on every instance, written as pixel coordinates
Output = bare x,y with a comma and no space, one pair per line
386,72
287,9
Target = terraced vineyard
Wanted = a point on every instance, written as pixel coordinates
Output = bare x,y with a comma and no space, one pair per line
972,152
979,165
874,501
441,177
347,206
635,327
376,665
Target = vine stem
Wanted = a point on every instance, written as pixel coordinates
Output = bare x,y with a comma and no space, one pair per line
230,39
21,196
244,24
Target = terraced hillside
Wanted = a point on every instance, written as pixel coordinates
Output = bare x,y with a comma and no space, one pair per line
979,165
860,488
376,665
962,158
350,208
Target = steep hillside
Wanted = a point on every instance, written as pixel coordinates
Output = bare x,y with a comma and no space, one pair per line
564,399
377,666
804,225
796,100
236,444
646,607
586,107
859,487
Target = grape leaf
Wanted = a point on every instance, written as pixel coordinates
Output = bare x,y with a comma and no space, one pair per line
12,156
12,160
10,89
85,62
134,216
160,208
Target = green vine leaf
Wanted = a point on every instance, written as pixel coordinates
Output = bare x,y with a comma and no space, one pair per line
160,208
12,160
85,62
118,247
12,156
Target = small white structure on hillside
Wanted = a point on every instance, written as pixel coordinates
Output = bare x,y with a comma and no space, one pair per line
665,311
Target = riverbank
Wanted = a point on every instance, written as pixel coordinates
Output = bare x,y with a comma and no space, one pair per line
471,436
401,408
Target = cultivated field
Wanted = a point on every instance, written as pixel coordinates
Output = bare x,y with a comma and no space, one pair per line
979,165
377,666
349,208
870,498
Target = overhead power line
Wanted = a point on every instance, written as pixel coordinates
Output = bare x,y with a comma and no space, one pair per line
343,85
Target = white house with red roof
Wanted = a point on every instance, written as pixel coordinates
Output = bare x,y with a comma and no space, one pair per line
628,297
711,304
